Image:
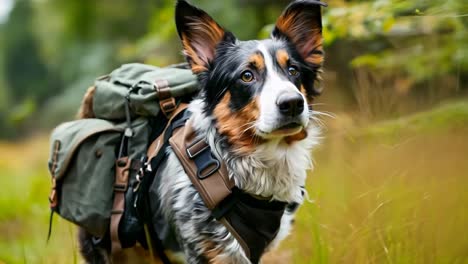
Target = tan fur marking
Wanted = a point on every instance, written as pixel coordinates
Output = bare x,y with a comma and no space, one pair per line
297,137
201,41
303,90
282,57
86,108
316,59
238,126
289,25
195,62
285,22
212,254
217,33
308,97
258,61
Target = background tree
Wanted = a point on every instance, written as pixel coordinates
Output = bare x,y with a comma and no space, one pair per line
27,76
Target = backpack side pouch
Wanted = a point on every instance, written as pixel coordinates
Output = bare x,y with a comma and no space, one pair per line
82,162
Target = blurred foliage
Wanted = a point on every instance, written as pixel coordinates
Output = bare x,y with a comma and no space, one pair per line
446,117
51,50
422,38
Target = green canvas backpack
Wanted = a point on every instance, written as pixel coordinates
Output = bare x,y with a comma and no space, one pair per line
131,105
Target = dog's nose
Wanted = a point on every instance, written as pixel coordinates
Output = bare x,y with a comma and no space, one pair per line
290,104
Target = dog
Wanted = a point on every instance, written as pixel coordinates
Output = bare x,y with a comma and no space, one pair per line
255,112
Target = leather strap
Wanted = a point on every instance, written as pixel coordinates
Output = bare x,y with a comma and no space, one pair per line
156,145
167,102
213,188
122,170
53,199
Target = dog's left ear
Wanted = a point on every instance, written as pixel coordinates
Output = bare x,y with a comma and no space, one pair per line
200,35
301,24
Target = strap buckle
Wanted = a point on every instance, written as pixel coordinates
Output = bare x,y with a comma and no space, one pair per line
120,187
204,173
168,105
206,163
196,148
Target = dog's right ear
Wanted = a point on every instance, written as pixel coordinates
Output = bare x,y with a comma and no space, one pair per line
301,25
200,35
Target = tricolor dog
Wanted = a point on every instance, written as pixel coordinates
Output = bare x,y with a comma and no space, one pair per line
255,112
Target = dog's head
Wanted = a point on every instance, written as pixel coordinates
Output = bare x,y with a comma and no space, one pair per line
257,90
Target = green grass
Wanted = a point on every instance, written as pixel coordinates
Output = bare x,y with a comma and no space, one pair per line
24,213
373,202
447,116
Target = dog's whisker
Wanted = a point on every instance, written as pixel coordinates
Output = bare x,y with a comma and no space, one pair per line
252,123
323,113
319,122
250,126
317,104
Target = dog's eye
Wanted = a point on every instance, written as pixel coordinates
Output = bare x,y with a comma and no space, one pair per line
247,76
292,70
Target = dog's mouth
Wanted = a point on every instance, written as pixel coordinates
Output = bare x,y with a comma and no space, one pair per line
288,129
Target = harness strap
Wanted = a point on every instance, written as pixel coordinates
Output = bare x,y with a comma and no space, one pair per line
156,154
207,174
157,144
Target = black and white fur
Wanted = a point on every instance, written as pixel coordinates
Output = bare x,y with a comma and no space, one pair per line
255,125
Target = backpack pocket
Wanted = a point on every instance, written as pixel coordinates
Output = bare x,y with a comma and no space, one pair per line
82,165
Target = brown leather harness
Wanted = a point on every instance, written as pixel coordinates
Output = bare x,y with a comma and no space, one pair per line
211,179
212,182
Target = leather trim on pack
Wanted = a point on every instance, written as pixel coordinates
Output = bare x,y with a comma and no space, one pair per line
122,170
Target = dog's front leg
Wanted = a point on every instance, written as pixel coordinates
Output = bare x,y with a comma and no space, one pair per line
210,242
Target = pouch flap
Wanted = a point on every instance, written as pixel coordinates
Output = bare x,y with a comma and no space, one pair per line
111,91
67,137
181,81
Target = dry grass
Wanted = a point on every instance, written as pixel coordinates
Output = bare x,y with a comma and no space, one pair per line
390,193
376,203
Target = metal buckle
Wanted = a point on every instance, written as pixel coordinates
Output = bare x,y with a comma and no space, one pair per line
120,187
210,172
193,155
146,166
168,105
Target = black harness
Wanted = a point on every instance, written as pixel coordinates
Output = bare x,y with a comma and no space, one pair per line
256,221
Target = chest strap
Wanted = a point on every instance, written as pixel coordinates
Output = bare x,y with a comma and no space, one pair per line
209,175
